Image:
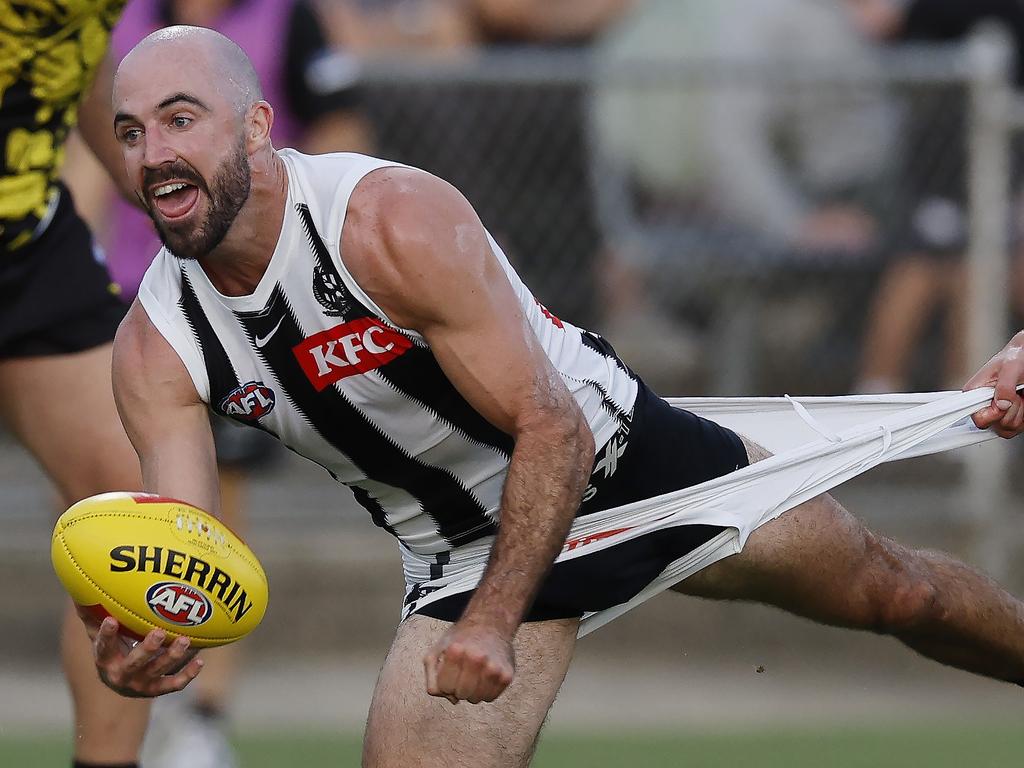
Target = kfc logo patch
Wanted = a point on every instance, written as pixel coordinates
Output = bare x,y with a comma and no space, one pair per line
348,349
248,402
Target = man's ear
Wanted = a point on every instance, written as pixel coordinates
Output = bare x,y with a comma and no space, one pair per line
258,124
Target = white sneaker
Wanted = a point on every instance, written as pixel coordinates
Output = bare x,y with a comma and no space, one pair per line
179,737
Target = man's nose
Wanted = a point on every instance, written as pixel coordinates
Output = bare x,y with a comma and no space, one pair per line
158,152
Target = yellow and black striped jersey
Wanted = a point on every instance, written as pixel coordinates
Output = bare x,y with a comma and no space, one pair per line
50,51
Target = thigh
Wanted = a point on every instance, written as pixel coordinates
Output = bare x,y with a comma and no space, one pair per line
816,560
408,728
62,409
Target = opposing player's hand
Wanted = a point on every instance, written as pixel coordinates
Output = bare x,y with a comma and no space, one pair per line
471,663
146,670
1005,371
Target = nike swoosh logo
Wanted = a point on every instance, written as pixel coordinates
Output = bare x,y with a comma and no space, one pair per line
261,341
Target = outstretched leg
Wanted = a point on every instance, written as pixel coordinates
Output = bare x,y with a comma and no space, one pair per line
79,441
820,562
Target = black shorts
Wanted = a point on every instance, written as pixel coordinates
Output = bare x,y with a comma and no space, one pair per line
661,449
56,296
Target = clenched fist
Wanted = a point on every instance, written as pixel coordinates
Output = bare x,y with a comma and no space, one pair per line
471,663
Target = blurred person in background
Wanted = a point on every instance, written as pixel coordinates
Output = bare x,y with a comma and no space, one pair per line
515,149
59,307
314,84
769,154
388,27
704,125
541,214
927,274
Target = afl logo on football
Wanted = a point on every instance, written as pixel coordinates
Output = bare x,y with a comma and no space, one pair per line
248,402
179,603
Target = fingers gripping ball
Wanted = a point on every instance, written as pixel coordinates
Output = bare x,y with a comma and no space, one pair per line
153,562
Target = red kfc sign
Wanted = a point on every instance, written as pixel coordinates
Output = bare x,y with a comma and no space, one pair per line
349,349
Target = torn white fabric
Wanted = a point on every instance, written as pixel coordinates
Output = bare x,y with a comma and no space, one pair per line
818,442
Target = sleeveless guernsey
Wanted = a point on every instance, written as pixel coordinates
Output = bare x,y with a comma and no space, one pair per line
309,358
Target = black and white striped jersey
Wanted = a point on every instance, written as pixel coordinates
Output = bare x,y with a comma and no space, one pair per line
309,358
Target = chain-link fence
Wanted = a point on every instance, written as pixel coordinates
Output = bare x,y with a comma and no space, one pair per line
732,226
747,226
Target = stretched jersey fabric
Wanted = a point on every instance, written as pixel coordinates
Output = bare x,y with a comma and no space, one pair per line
49,53
822,442
311,359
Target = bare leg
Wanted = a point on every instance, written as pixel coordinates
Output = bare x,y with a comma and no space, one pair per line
906,297
956,373
212,688
62,409
409,729
108,728
820,562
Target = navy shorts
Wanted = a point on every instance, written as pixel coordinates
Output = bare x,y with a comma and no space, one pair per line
658,450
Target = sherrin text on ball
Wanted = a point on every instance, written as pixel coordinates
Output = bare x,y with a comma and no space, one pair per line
153,562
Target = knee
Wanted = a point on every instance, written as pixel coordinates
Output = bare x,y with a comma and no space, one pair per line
907,603
911,603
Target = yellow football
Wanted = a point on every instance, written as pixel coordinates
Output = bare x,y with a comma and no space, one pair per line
151,562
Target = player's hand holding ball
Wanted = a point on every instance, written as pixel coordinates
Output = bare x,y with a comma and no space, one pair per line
161,572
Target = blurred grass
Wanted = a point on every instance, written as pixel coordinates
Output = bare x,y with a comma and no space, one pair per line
993,745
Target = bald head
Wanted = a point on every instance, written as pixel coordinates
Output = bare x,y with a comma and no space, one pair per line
193,130
226,64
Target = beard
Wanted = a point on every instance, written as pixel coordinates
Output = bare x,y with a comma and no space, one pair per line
226,194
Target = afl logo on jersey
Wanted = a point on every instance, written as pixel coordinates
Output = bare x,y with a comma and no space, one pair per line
248,402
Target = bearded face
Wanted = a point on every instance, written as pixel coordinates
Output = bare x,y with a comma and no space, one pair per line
193,216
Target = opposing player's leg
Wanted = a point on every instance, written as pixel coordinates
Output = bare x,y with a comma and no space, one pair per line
188,729
408,728
62,409
819,561
108,728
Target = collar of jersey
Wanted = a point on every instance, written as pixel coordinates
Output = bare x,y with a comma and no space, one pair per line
260,296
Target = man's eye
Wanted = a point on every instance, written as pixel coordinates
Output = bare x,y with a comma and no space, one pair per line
132,134
180,121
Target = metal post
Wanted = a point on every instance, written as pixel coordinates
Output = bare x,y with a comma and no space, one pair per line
989,62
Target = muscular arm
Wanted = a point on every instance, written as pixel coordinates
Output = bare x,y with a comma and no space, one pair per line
170,430
163,415
416,246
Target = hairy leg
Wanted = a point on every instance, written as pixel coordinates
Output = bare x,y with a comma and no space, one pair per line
408,728
62,409
820,562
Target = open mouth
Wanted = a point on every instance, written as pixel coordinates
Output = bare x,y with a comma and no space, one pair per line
175,199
